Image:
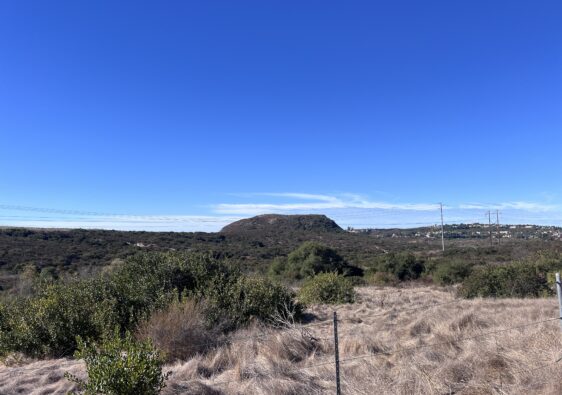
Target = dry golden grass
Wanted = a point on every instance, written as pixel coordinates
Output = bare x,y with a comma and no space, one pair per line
432,361
179,331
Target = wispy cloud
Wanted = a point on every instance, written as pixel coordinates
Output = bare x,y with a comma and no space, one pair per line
527,206
316,202
192,225
55,218
304,196
350,209
347,209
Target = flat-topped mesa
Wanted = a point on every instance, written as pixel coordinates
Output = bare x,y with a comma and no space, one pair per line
277,223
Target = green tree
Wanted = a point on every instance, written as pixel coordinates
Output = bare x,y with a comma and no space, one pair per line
313,258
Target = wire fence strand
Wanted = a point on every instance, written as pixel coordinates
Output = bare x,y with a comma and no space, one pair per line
429,345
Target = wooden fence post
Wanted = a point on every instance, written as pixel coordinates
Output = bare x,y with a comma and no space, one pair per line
559,293
337,354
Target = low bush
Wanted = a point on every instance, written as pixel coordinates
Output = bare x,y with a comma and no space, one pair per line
452,272
309,259
48,323
521,279
329,288
383,279
403,266
313,258
279,268
357,281
239,302
5,332
120,366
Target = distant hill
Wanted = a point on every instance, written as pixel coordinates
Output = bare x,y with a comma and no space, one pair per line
275,223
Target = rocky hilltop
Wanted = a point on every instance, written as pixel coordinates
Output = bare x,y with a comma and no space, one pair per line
276,223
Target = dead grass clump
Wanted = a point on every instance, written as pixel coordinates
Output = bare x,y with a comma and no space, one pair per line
458,373
468,321
179,331
353,345
421,327
292,345
16,359
191,388
433,356
40,377
222,359
377,347
289,387
497,363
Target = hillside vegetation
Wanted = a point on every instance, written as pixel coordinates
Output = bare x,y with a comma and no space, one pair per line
252,244
380,323
248,310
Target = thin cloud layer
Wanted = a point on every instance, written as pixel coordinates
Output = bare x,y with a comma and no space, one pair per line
307,201
346,209
319,202
53,218
361,212
527,206
119,225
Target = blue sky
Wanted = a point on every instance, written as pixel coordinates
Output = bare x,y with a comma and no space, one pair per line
186,115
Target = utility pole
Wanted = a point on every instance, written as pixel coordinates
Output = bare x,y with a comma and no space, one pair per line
498,226
490,227
442,228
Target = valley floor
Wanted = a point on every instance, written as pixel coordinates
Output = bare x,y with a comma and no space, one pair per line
418,340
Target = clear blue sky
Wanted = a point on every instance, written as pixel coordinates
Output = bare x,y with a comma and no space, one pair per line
206,111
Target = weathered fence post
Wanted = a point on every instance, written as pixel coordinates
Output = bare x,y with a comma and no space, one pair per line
337,354
559,293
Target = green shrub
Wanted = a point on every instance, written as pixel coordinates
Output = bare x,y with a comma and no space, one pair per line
139,286
308,260
329,288
120,366
5,342
452,272
521,279
48,323
313,258
383,278
236,303
279,267
404,266
357,281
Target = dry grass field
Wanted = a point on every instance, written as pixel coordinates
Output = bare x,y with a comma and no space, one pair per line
387,346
